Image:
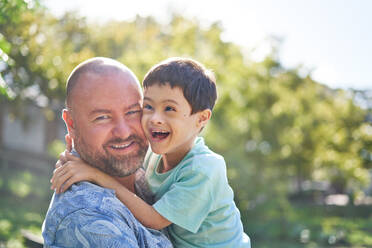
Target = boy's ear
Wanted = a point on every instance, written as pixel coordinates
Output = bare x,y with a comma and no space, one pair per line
204,117
70,125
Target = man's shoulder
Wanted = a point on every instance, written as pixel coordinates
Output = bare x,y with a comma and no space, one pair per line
85,198
83,195
91,216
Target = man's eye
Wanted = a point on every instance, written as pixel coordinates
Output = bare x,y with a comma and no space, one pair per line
169,108
102,117
133,112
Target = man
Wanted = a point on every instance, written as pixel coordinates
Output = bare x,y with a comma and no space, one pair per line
104,105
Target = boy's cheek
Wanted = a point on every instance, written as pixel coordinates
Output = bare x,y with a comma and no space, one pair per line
144,120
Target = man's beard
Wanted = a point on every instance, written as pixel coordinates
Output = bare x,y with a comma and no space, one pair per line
118,166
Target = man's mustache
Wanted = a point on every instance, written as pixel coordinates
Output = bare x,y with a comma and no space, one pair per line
131,138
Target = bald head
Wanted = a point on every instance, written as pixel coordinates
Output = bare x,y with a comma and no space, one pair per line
99,66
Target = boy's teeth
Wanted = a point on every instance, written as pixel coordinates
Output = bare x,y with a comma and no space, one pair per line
160,134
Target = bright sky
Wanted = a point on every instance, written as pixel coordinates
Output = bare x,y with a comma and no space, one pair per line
332,38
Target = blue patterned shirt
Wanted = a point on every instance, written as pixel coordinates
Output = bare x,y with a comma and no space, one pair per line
88,215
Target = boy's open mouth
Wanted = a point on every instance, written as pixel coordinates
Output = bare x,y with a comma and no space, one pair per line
159,134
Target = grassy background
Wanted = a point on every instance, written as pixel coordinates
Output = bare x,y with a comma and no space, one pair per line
24,200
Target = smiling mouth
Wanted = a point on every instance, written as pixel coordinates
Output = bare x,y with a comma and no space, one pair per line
159,135
121,146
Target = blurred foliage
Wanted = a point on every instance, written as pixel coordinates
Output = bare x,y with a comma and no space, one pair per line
55,148
277,128
23,203
11,14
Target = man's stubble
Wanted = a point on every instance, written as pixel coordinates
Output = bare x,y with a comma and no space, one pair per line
118,166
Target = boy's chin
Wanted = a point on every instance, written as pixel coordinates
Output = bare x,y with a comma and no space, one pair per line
158,150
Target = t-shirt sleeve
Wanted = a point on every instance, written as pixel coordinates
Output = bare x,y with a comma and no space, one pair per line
188,201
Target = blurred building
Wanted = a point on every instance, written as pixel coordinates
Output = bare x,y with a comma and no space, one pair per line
26,138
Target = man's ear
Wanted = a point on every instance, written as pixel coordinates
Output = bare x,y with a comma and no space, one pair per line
204,117
66,116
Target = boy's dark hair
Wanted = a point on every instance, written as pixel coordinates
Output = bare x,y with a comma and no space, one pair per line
197,83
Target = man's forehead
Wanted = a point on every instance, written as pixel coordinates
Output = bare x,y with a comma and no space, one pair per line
92,82
101,92
89,78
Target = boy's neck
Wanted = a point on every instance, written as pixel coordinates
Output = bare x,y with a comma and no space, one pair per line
169,161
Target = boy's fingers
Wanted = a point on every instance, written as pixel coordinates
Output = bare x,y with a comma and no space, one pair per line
60,171
60,181
67,184
53,181
57,170
62,156
58,164
71,157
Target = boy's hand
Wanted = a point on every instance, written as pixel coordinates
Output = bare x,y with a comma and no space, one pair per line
73,170
62,157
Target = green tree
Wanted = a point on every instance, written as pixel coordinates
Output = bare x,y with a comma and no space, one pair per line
277,129
11,12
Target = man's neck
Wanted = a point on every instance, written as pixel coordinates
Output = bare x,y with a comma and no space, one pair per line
127,181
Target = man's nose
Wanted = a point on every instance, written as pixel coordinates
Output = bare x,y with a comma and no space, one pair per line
121,129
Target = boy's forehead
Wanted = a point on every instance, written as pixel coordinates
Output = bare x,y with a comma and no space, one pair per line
163,85
164,92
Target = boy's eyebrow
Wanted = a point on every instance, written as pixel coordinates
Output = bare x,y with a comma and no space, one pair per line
166,100
147,98
170,100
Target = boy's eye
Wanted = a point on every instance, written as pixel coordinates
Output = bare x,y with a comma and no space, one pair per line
169,108
147,106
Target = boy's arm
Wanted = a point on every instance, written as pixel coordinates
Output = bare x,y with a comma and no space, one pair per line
141,187
143,212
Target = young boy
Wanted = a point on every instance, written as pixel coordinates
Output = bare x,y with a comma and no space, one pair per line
192,196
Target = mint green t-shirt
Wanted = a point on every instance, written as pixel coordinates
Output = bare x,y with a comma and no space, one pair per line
196,197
